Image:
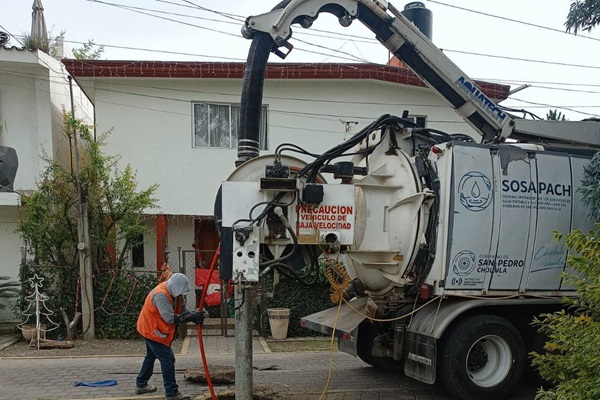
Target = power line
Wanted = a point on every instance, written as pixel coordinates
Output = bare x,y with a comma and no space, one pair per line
320,114
517,81
213,11
128,8
334,117
511,20
162,51
241,18
335,101
50,68
551,106
337,51
171,13
565,89
353,57
523,59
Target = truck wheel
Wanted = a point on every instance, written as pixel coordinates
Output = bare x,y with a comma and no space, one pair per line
366,333
481,357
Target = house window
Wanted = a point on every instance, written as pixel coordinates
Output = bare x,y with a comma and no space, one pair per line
137,252
420,120
216,125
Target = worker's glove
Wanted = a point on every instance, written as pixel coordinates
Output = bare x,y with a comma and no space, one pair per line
183,317
196,317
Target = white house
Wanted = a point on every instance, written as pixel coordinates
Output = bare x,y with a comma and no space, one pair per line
33,91
175,123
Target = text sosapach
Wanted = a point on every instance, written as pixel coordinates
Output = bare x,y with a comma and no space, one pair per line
516,186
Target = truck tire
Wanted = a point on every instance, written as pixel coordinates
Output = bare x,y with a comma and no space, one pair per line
481,357
366,333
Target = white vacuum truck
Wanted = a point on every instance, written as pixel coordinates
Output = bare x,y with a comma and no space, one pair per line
446,244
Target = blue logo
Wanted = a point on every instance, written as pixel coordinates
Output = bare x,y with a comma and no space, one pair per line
463,263
475,191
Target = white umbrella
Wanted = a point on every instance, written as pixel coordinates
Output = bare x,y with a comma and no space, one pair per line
38,23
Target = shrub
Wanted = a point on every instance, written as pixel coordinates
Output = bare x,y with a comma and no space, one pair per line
301,300
118,298
573,354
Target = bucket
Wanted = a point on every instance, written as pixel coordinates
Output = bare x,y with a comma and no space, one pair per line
278,320
29,331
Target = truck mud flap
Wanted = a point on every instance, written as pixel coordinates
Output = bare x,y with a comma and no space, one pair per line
346,327
420,357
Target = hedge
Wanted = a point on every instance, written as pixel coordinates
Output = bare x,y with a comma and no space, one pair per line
118,298
301,300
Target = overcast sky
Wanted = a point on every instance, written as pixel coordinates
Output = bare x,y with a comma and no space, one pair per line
575,88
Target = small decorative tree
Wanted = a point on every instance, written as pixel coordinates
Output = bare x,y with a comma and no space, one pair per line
37,306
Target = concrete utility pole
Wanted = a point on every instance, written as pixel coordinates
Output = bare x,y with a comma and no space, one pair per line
85,267
243,340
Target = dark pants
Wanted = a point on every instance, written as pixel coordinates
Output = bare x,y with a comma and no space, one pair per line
166,357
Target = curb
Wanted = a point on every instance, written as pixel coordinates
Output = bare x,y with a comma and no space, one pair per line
9,342
264,345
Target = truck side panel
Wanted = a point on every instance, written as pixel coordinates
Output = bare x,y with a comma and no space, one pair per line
554,190
508,258
507,203
472,217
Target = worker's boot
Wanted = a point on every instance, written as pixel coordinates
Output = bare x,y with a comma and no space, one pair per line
178,396
146,389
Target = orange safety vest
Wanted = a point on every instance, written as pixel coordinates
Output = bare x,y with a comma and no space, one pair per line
150,323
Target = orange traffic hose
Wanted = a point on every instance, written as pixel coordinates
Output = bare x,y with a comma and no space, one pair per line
200,307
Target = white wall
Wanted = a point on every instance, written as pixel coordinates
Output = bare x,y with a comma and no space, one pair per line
10,251
60,100
152,126
181,234
33,92
26,119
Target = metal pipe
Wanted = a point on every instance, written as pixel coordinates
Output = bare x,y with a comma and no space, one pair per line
243,341
85,270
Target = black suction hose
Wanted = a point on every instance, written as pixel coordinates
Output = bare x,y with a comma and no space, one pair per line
252,94
254,80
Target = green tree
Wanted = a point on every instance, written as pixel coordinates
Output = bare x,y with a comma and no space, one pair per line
89,51
583,15
572,352
590,187
115,205
555,115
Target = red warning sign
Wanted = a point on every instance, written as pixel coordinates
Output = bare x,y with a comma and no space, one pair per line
325,217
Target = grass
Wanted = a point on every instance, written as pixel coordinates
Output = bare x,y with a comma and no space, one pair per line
301,345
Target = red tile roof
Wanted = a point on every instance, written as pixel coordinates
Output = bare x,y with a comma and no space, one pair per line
231,70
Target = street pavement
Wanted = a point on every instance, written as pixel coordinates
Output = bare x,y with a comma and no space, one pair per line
294,375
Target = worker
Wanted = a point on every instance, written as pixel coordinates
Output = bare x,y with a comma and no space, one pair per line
163,308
